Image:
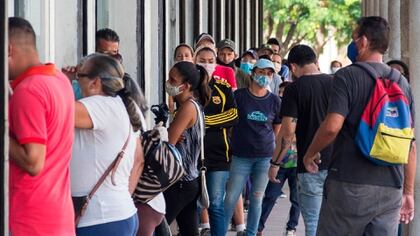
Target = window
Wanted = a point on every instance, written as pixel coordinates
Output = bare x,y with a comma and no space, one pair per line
40,13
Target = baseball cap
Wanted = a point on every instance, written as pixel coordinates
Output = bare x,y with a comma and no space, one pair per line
226,43
263,64
203,36
250,52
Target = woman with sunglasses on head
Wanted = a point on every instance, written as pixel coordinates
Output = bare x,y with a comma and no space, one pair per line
107,119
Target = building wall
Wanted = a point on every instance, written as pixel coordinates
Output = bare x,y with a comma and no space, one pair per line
149,30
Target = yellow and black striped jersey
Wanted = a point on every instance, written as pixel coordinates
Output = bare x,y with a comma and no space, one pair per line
220,115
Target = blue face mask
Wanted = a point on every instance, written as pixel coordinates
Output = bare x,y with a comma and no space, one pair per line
76,90
352,52
262,80
246,67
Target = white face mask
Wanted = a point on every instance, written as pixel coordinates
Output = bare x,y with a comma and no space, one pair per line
334,69
210,67
172,90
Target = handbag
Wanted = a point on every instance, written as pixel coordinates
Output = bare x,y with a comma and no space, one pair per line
162,167
80,204
203,199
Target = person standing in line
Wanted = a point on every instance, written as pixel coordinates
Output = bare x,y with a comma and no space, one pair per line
219,72
220,115
287,171
335,66
378,195
305,103
253,142
106,118
188,84
41,115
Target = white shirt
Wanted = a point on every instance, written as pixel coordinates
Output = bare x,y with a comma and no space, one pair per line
157,203
93,151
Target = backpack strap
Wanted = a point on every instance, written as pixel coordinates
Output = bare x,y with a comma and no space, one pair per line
394,75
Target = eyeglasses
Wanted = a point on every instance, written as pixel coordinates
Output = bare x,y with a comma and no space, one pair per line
80,75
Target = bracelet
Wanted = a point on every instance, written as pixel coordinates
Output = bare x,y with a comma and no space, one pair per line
274,166
274,163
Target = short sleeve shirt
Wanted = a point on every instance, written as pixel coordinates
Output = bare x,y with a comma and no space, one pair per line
254,136
351,91
307,100
41,111
94,150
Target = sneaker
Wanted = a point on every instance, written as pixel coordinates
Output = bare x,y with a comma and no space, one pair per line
241,233
205,232
283,195
290,232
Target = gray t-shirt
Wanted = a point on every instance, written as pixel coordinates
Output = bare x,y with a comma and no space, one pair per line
352,87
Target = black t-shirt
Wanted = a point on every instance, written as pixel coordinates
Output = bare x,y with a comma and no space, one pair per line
307,100
351,91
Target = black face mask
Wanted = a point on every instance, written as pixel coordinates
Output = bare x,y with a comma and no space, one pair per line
231,64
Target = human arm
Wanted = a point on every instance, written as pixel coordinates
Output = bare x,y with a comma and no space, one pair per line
407,207
137,167
229,115
30,156
82,118
184,119
276,129
324,136
283,142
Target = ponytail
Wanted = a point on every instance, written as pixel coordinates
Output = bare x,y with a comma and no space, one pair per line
116,82
197,76
133,100
203,88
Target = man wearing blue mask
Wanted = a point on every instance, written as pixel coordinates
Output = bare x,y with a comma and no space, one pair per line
362,197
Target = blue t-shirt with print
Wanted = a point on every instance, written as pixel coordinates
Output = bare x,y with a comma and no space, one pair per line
253,136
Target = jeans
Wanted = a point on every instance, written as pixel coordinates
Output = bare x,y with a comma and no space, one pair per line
216,187
240,169
273,191
127,227
310,187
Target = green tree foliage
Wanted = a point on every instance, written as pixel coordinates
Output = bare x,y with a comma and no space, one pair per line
312,21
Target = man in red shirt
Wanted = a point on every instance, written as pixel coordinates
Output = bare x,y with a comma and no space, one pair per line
41,114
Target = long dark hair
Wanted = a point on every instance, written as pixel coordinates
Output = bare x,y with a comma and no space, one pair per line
197,77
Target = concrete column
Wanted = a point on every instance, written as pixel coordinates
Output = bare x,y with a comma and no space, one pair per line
370,8
394,21
362,6
377,8
415,83
405,22
384,9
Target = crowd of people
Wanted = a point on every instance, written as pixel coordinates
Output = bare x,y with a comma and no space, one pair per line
267,120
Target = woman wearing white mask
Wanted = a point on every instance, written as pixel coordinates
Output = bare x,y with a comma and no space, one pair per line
220,115
188,84
253,142
208,61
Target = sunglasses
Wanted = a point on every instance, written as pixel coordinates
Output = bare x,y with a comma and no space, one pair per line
80,75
